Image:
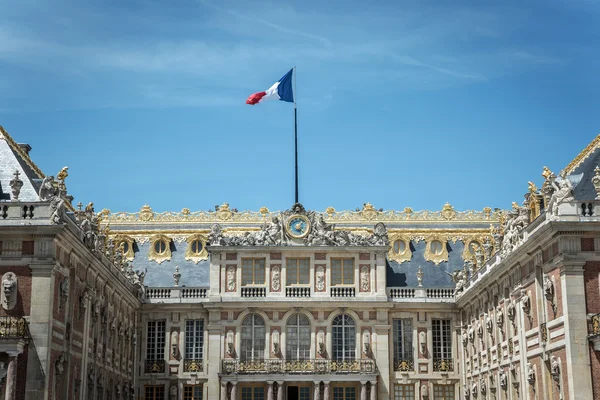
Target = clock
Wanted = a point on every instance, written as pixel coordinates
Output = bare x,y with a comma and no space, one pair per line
297,226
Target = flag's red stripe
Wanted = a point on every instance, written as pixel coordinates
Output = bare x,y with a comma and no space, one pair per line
255,98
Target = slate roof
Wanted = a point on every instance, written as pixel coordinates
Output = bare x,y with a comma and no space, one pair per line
582,169
13,158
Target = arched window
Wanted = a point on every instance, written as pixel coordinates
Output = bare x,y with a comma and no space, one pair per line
343,332
253,338
297,338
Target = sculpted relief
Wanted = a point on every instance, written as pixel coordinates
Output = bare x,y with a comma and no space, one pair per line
320,278
9,291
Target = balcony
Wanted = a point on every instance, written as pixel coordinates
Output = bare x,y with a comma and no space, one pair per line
192,365
421,294
13,328
594,330
175,294
297,291
154,367
404,365
443,365
343,291
295,367
258,291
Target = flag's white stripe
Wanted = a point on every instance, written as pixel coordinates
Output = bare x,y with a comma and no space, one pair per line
271,93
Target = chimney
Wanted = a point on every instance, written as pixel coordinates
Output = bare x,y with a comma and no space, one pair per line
25,147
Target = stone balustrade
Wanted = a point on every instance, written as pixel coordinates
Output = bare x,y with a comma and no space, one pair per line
254,291
420,294
343,291
297,291
308,366
176,294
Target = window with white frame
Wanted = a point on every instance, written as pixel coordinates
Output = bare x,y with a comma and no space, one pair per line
253,271
297,338
342,271
155,340
253,338
403,339
194,339
297,271
343,331
442,339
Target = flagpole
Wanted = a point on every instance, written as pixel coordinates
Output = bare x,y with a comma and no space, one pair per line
295,136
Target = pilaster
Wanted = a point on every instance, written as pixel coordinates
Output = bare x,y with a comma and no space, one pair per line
575,323
213,366
382,354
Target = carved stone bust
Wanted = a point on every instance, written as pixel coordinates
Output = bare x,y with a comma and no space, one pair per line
503,380
9,291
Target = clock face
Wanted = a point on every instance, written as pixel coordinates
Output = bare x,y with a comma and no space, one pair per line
298,226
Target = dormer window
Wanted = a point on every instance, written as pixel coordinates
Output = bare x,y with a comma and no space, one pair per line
160,247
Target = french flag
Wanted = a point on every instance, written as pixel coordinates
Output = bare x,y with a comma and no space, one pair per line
281,90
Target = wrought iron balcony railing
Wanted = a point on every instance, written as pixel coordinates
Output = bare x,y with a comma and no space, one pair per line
310,366
154,367
443,364
192,365
13,328
405,364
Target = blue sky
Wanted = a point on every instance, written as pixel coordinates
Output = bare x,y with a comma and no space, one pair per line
400,103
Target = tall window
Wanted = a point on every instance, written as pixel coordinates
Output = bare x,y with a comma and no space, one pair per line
297,338
154,393
404,392
192,392
253,271
342,271
343,332
253,338
403,339
442,339
155,346
194,339
443,392
344,393
253,393
297,271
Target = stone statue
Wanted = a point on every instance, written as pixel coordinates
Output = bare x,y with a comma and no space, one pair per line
420,276
174,343
60,364
563,194
320,278
176,276
275,337
9,288
215,237
483,387
596,181
510,311
380,235
499,318
471,334
489,324
364,278
474,389
503,380
231,278
321,343
548,288
367,343
465,337
230,344
276,278
49,191
526,303
15,185
555,368
466,392
64,288
530,373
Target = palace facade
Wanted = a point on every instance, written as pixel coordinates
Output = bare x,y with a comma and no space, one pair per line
299,304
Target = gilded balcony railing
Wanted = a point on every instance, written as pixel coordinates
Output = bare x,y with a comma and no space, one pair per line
13,328
595,325
154,366
404,364
443,364
309,366
192,365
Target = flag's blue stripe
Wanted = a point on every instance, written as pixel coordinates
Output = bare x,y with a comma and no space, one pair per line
284,90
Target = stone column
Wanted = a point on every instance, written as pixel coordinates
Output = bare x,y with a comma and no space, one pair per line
382,357
363,390
233,390
576,330
373,390
326,391
11,378
224,390
317,392
213,364
270,390
279,390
